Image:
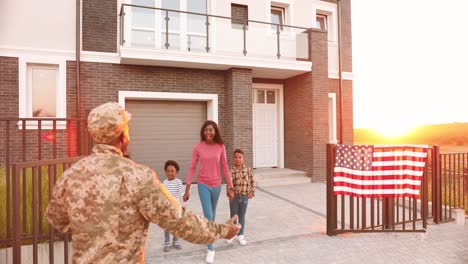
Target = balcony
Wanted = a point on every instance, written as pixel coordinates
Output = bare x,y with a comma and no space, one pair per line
173,38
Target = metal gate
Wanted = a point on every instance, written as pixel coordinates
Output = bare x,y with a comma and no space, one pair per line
443,187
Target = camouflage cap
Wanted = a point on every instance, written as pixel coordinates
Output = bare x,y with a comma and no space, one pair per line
106,122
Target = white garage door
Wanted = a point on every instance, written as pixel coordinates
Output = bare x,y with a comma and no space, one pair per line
163,130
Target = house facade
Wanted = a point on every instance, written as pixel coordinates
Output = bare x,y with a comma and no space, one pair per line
268,72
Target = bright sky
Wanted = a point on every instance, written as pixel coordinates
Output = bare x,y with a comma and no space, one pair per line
410,62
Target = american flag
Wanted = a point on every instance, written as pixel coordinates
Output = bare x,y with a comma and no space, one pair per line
379,171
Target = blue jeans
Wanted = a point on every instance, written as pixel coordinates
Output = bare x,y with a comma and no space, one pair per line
238,206
167,238
209,199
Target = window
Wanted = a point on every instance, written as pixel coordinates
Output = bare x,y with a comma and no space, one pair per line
143,24
277,17
42,83
196,27
174,24
322,22
271,97
265,97
239,14
185,31
42,88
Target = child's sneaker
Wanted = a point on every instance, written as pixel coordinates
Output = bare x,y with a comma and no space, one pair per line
166,247
176,245
229,241
242,240
210,256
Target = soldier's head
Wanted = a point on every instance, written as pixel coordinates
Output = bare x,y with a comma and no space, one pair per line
108,124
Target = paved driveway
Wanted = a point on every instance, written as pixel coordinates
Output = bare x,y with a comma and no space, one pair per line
286,224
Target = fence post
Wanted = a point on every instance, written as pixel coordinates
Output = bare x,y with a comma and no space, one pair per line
331,199
436,185
16,216
388,207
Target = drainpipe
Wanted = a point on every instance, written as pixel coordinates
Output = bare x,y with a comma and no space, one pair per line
340,77
78,96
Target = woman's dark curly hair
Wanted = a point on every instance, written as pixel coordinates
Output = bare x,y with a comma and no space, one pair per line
217,138
171,163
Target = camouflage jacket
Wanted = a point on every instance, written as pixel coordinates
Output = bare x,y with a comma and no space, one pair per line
108,201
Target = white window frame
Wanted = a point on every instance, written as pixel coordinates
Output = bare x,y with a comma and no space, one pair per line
332,126
325,18
24,95
329,10
283,15
288,19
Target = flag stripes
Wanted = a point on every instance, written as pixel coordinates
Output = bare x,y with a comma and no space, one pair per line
379,171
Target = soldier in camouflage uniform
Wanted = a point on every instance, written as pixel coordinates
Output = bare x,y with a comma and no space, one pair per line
108,201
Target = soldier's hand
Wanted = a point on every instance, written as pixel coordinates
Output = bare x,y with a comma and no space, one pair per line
251,196
234,227
186,196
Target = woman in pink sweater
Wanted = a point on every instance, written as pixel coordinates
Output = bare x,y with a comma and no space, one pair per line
210,152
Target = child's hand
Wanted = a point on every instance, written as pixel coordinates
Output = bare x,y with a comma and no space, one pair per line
251,195
230,195
186,196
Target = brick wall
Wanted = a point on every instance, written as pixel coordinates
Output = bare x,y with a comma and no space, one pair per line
9,86
99,20
298,123
346,34
306,113
33,150
239,13
100,83
34,144
238,113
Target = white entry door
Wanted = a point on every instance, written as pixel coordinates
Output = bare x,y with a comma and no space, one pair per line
265,122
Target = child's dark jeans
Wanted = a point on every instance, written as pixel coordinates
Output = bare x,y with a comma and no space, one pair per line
167,238
238,207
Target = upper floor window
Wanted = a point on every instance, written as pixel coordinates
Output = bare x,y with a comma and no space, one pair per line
42,87
239,14
42,90
322,22
277,17
184,31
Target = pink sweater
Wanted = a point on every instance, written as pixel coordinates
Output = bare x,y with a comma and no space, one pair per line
209,172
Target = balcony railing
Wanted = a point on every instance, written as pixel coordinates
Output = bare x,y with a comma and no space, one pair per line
166,29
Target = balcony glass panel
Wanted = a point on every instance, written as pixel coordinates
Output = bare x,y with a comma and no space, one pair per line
189,33
143,17
141,38
196,43
227,38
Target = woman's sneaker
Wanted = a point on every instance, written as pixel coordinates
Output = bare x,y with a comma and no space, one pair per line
242,240
210,256
167,247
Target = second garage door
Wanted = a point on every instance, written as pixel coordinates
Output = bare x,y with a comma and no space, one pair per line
163,130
